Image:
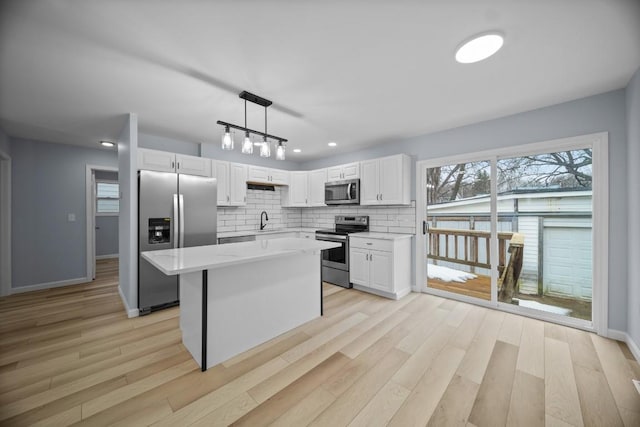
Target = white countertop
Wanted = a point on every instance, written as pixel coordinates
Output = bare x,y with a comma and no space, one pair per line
382,236
198,258
265,231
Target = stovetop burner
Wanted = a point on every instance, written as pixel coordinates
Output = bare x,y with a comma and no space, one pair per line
347,224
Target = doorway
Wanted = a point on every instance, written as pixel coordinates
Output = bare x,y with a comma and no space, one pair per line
516,229
5,224
102,210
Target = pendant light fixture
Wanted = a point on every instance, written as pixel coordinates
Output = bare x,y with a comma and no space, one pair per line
247,144
265,148
280,151
227,139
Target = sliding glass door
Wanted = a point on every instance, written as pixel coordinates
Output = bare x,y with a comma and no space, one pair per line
514,230
458,243
549,199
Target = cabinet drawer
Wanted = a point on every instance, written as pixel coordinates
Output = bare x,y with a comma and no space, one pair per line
374,244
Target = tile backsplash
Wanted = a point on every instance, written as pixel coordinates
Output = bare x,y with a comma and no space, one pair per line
386,219
391,219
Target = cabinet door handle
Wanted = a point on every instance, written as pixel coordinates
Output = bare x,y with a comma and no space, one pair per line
369,243
366,256
227,197
173,165
371,257
178,165
380,196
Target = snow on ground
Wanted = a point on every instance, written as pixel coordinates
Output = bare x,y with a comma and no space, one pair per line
543,307
447,274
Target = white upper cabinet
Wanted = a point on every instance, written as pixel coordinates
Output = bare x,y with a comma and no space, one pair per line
193,165
342,172
155,160
306,188
317,179
262,175
238,175
220,170
163,161
386,181
297,195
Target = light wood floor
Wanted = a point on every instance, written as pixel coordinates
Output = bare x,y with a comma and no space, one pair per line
70,355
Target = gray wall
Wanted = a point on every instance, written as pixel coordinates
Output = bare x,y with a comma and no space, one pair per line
48,183
107,226
633,160
604,112
128,218
162,143
5,145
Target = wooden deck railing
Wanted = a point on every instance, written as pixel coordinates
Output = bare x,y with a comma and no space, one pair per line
470,241
445,245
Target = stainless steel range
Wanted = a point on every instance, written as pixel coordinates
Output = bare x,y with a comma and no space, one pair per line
335,262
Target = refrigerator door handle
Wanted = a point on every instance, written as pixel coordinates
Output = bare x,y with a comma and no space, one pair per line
181,221
176,230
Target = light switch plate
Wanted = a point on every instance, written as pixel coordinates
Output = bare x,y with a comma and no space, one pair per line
71,217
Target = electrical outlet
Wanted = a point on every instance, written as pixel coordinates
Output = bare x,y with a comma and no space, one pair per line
71,217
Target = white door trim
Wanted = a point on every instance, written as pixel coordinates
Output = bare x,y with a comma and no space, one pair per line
5,224
90,216
600,214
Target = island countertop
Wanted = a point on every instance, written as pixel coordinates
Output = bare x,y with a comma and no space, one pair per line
198,258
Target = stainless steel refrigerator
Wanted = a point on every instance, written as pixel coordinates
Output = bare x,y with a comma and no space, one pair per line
174,211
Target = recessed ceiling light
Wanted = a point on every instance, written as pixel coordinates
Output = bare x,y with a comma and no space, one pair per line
108,144
332,144
479,47
297,150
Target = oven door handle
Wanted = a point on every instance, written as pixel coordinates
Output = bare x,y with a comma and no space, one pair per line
331,238
349,191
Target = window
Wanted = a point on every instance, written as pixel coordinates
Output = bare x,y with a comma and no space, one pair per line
107,198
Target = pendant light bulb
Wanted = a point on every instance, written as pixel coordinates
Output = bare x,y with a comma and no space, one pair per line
247,145
265,149
280,151
227,139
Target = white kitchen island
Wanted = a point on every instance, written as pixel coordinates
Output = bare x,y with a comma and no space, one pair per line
239,295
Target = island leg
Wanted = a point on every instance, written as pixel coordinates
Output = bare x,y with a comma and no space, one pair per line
321,295
205,280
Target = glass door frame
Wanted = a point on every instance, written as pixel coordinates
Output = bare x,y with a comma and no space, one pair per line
599,143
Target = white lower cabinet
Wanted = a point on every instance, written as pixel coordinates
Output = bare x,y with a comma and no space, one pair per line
380,266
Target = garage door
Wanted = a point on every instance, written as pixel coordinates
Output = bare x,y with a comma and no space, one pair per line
567,260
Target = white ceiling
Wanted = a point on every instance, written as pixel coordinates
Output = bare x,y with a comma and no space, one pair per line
355,72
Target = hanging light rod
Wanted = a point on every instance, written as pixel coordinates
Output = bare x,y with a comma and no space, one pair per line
255,98
256,132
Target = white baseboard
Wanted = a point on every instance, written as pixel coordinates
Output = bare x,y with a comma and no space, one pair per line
131,312
49,285
108,256
614,334
625,337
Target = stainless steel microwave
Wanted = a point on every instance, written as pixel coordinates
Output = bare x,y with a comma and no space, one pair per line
342,192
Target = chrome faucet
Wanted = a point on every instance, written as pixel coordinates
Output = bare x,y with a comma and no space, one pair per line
266,218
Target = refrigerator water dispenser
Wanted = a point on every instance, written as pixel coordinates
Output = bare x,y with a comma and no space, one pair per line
159,230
